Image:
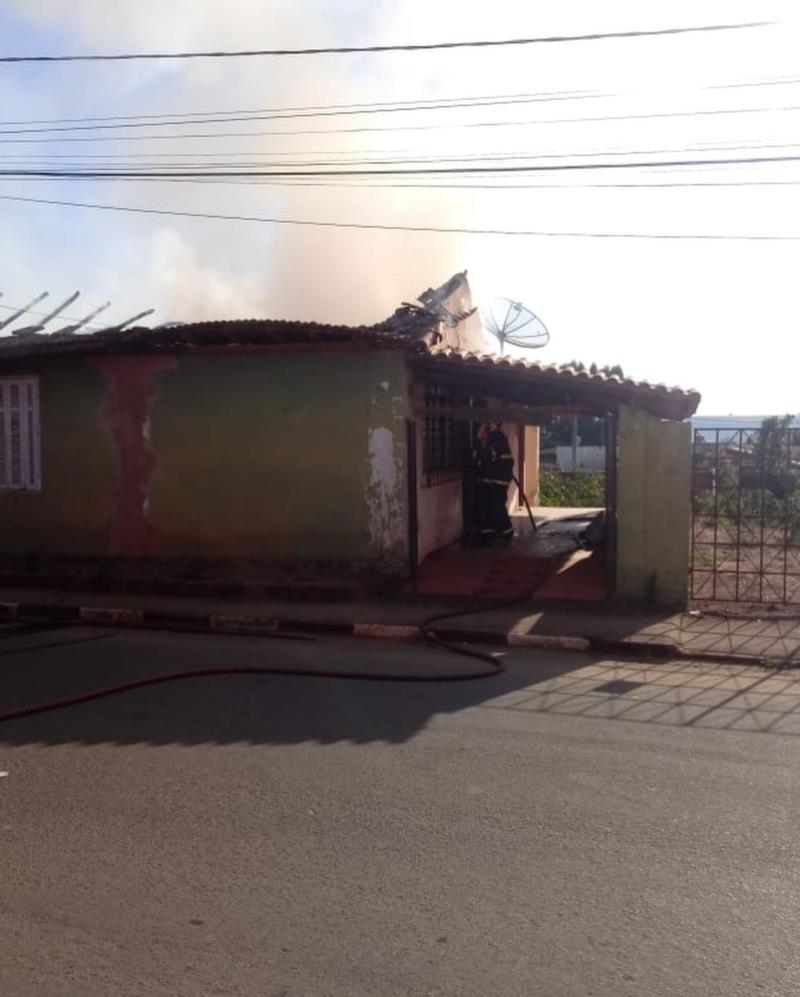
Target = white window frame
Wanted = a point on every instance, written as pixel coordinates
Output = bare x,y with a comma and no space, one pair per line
27,474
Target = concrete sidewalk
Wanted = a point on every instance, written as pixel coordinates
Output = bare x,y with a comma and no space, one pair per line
603,629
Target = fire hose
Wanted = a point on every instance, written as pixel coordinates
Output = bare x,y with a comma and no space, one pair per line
431,638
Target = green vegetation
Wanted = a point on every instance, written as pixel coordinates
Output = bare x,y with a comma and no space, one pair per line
579,489
760,485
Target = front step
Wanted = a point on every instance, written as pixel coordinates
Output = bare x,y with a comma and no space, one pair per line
514,579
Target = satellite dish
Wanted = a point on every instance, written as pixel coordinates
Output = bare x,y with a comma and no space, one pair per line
511,322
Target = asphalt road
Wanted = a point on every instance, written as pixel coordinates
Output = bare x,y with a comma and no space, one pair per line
541,833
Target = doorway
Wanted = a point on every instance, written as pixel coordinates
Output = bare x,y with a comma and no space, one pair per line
557,552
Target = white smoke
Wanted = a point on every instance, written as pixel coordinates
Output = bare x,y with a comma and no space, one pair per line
219,268
689,297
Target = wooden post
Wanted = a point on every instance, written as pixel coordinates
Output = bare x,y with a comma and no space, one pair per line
529,476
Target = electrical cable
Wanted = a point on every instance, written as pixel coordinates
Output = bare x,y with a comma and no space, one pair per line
355,158
230,117
362,129
377,106
76,165
419,103
222,155
540,95
418,47
416,103
780,81
161,174
378,227
510,187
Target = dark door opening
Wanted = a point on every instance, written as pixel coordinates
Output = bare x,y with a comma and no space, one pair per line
548,560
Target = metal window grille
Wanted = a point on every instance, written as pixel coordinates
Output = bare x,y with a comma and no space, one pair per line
20,438
439,446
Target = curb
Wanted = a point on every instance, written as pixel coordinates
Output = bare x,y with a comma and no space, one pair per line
547,643
386,631
111,617
255,625
271,626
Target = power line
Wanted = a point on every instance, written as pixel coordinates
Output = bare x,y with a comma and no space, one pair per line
416,47
53,174
454,230
359,107
79,163
305,111
779,81
711,112
387,109
365,106
303,107
434,185
78,159
505,187
81,169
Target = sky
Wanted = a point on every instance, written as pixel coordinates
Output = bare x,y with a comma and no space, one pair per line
718,316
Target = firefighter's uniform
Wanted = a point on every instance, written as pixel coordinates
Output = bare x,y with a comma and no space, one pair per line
494,467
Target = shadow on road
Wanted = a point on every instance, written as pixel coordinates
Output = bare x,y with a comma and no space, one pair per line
225,710
294,710
673,694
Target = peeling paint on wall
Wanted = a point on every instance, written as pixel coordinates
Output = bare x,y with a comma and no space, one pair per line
385,492
130,388
205,458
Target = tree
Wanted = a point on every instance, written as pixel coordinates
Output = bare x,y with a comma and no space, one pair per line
772,455
758,483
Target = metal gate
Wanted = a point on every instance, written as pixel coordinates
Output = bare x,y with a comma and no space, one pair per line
746,514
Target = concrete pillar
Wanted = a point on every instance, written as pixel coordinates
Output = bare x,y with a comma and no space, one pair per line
653,509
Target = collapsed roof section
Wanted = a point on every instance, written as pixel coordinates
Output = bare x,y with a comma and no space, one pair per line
442,334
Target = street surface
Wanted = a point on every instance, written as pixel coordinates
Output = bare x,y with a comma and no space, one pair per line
573,827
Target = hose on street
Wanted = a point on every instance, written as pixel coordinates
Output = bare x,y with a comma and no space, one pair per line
118,688
429,633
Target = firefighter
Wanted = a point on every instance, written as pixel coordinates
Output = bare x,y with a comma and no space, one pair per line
494,471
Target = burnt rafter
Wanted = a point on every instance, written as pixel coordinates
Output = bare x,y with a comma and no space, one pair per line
404,331
31,334
414,332
19,312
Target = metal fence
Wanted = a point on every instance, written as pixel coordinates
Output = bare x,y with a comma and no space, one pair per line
746,514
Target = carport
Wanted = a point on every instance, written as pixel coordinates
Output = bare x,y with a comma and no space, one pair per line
638,543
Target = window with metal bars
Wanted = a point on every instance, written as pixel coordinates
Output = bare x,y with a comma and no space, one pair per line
440,458
20,441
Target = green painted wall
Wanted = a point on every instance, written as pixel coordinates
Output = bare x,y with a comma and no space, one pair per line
71,514
286,456
653,508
